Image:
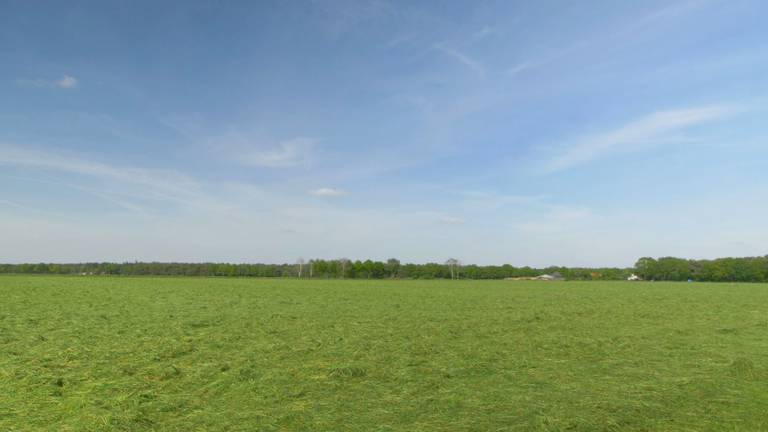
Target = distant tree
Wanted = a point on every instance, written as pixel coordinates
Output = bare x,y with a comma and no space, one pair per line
344,264
453,266
393,267
647,268
749,269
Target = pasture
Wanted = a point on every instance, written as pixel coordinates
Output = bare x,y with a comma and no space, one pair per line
204,354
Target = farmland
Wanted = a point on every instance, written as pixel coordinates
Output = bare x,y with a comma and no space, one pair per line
228,354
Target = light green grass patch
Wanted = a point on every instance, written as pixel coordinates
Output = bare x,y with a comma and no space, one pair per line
186,354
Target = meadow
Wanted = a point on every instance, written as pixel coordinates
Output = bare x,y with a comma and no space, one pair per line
225,354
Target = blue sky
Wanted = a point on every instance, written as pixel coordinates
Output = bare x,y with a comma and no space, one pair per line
530,133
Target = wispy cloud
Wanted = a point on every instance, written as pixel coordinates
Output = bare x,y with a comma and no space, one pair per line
342,16
13,204
293,152
123,186
486,201
122,199
451,220
399,40
520,67
244,145
614,38
558,218
462,58
65,82
483,33
32,82
654,129
328,192
163,180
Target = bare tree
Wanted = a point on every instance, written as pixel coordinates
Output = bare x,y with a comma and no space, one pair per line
453,266
300,263
311,266
344,262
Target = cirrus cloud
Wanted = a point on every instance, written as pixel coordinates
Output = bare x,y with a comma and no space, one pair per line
452,220
657,128
328,192
66,82
293,152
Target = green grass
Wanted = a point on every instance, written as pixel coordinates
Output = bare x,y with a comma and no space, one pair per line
176,354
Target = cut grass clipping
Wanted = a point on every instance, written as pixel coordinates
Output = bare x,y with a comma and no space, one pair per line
176,354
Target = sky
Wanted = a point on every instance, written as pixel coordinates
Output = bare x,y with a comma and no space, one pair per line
531,133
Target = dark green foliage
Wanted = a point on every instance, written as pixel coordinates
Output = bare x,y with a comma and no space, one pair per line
751,269
318,268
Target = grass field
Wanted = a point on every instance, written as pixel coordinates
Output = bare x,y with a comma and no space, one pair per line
176,354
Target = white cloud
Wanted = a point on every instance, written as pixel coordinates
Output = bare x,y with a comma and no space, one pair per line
462,58
296,151
654,129
66,82
328,192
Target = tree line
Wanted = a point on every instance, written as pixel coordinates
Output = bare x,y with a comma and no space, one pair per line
319,269
750,269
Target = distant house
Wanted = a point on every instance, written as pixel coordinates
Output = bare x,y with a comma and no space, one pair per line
634,277
550,277
556,276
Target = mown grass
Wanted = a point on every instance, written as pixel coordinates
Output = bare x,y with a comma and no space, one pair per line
176,354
